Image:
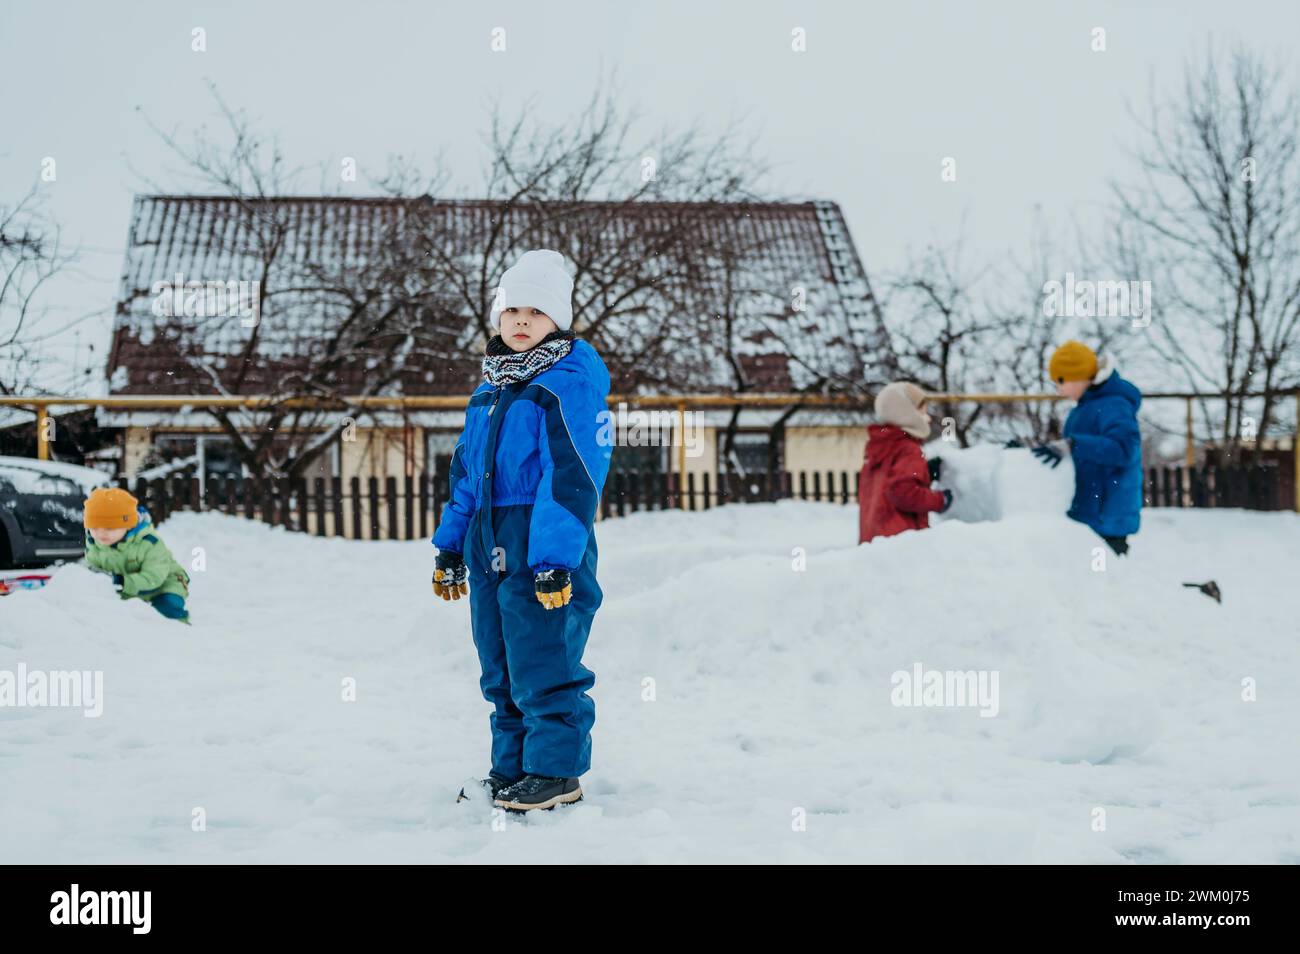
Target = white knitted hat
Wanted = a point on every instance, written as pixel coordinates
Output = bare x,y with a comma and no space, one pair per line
538,280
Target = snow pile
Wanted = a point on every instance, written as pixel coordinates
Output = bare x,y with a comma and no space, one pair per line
753,670
989,482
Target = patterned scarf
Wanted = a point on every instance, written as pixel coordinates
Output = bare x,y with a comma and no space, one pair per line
501,365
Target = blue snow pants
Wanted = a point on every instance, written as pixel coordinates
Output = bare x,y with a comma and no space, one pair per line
531,657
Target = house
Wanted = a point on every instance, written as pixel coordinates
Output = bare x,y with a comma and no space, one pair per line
783,304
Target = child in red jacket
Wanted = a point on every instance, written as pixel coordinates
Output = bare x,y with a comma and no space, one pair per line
894,487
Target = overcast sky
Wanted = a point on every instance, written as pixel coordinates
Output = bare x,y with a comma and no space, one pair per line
864,116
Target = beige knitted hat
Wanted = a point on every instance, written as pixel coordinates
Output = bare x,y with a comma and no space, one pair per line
899,404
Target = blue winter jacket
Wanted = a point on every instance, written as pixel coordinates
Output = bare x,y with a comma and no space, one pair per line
1107,453
546,442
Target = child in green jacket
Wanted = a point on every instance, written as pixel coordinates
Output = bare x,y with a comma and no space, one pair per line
121,541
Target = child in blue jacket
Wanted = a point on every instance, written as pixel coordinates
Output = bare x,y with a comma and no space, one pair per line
517,532
1103,439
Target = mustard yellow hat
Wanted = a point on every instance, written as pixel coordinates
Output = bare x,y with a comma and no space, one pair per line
1073,361
110,508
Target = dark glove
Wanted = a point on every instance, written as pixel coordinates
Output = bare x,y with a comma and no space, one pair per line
947,501
118,580
1012,444
450,575
553,588
935,464
1049,454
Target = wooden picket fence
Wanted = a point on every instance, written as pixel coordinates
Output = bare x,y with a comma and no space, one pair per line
409,508
628,492
1249,487
389,508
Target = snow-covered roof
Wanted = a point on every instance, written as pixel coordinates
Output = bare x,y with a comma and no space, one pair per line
789,249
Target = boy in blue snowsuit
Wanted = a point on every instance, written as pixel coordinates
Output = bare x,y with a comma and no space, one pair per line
1101,435
526,479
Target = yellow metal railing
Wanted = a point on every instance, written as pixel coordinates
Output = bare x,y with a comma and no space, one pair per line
40,405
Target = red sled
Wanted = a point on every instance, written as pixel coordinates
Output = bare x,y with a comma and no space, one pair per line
28,581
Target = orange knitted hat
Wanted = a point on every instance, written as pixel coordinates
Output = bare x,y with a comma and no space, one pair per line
110,508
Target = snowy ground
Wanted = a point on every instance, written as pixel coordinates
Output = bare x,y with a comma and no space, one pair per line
1118,690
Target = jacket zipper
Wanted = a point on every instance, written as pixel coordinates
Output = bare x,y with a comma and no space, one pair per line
486,536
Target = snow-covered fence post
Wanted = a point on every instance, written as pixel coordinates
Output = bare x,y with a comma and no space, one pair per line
617,492
424,503
390,491
634,491
318,498
336,502
1200,487
408,506
288,503
372,488
271,502
276,500
354,495
681,448
441,496
300,488
164,500
251,490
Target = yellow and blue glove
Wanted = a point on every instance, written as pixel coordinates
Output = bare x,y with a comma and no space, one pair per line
450,577
553,588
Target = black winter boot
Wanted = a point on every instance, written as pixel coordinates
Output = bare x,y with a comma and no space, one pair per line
538,791
493,785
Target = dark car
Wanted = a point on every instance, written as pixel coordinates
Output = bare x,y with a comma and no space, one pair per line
40,511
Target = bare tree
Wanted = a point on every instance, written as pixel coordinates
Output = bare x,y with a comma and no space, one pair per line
1214,220
983,327
945,338
1027,335
326,326
31,255
631,216
666,280
654,228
